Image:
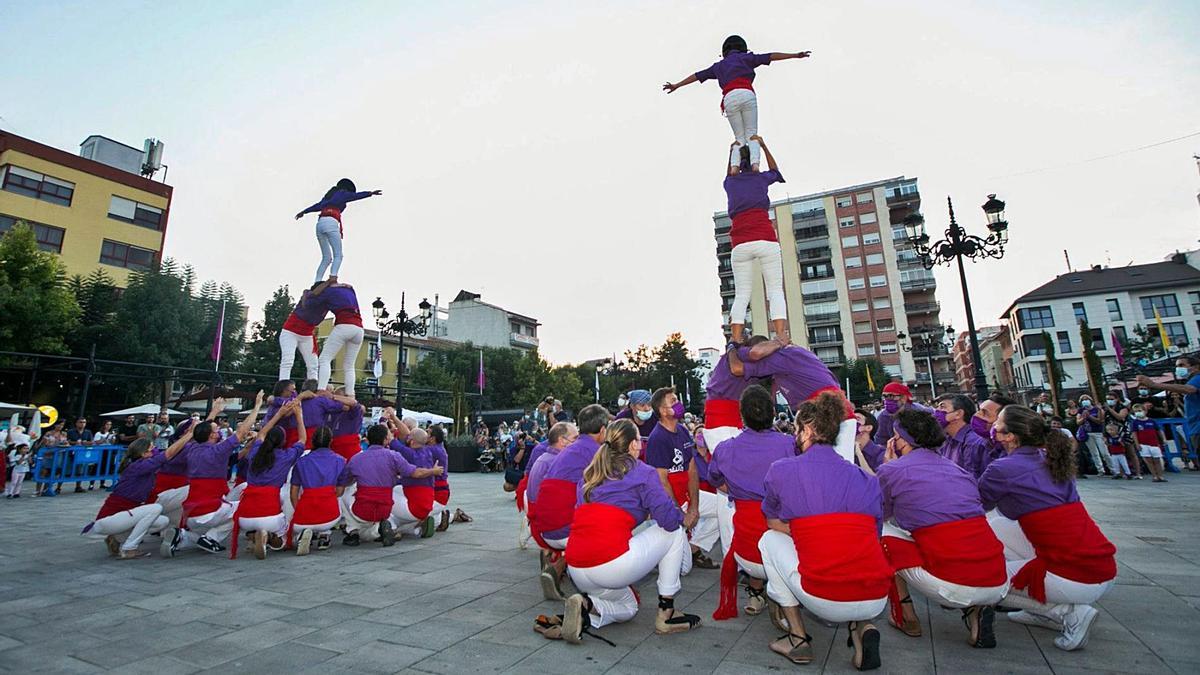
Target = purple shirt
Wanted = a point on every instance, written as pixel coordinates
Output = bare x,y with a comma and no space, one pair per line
538,451
319,468
735,65
820,482
318,411
701,467
537,471
569,466
640,493
312,308
277,402
670,450
376,466
741,463
341,297
968,450
1020,483
137,480
885,421
723,384
873,453
443,460
749,190
276,474
347,422
796,372
338,200
421,457
923,488
177,465
211,460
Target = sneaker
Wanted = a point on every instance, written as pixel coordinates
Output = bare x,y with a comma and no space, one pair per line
114,546
386,534
350,539
324,541
428,527
1077,624
303,543
1035,620
549,581
275,542
210,545
78,489
260,544
170,542
1116,476
757,602
702,561
132,554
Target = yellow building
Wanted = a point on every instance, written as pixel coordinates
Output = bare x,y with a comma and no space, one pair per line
92,214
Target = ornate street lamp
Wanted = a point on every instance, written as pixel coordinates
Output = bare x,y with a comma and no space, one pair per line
926,344
403,324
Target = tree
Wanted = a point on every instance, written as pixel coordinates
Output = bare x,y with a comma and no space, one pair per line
1142,347
673,363
1091,362
38,309
856,371
262,349
98,298
1053,371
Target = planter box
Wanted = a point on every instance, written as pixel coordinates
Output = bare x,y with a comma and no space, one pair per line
462,458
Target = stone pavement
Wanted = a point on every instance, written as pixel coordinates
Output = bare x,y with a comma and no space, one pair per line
465,600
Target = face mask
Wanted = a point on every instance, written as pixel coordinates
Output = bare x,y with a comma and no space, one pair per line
940,416
1140,415
1181,373
644,415
891,406
981,428
677,410
992,434
1143,392
1085,404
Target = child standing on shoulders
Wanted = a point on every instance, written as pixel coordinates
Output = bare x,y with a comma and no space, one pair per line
1116,448
329,224
19,459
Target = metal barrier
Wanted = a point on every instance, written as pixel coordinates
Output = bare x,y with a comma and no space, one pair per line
1175,428
75,464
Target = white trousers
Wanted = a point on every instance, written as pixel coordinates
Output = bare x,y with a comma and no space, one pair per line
716,436
131,526
319,528
215,526
845,439
769,258
366,530
741,109
289,344
400,512
608,585
725,510
707,530
329,238
347,339
783,584
276,524
1120,465
944,592
1101,459
14,486
172,503
557,544
1060,593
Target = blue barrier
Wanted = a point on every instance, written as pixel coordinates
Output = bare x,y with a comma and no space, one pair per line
1175,428
76,464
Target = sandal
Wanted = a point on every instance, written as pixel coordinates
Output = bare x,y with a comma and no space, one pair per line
978,621
461,516
676,621
865,646
909,628
777,618
550,627
798,650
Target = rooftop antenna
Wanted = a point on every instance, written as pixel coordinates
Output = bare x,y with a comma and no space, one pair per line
1068,257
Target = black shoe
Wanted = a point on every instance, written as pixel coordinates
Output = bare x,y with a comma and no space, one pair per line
209,545
323,541
350,539
79,488
386,534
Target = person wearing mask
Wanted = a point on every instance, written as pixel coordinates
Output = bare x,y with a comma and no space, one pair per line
604,556
672,452
896,397
935,533
550,520
868,453
1187,385
562,434
738,469
822,548
1090,421
1117,412
260,507
1150,440
981,423
639,412
963,447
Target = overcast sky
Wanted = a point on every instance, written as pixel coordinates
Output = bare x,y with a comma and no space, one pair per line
526,151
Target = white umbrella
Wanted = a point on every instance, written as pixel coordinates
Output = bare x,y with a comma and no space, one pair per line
6,408
434,418
148,409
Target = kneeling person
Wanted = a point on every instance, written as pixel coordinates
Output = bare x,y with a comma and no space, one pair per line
315,492
375,472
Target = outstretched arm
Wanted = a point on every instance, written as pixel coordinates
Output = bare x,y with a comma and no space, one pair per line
243,429
339,197
668,87
770,158
783,56
762,350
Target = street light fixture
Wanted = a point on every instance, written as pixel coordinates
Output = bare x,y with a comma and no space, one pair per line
403,324
956,246
925,344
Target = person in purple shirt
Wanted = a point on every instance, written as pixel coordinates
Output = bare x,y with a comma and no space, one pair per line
638,411
297,332
375,472
735,73
315,492
870,453
963,447
722,420
567,469
269,461
896,397
605,558
320,406
329,224
561,435
345,337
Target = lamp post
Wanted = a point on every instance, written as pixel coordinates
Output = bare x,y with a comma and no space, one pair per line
925,344
400,325
956,246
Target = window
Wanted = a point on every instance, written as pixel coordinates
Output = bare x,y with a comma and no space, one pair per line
1035,317
129,211
899,234
878,281
36,185
829,354
882,302
1194,300
1080,312
847,242
864,198
1098,343
870,238
815,287
816,271
1119,331
825,334
854,261
820,308
843,202
887,347
1033,344
892,371
1176,333
885,324
49,238
846,222
855,284
874,258
1064,342
1167,305
866,350
859,306
862,326
867,218
1114,309
124,255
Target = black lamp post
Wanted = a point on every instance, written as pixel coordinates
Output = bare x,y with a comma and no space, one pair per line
956,246
925,344
402,324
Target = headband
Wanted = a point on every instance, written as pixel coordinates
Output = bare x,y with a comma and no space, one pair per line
903,433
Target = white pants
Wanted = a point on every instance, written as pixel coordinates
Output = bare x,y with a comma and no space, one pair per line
366,530
725,510
1060,592
14,486
1120,465
276,524
557,544
707,530
329,238
400,513
783,584
319,528
172,503
289,344
716,436
944,592
741,109
347,339
132,525
215,526
769,258
608,585
1101,459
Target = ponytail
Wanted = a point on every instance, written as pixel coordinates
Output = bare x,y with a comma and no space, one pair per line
823,415
265,457
612,461
1032,430
322,438
133,453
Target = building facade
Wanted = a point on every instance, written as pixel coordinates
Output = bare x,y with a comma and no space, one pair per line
851,280
1113,301
964,365
388,347
472,320
91,214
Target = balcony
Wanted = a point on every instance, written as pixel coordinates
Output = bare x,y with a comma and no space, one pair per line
833,360
917,285
813,254
817,297
895,195
827,317
817,232
522,340
724,270
825,340
922,308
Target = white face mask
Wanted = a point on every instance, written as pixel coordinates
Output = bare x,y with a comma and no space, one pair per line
1181,373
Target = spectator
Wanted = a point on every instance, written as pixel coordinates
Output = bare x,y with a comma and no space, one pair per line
1116,411
1090,432
19,459
128,431
1156,407
223,427
1187,372
1150,441
162,440
148,429
81,435
1115,440
106,435
45,447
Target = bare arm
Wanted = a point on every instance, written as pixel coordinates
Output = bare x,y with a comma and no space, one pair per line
736,368
286,409
1184,389
295,495
762,350
301,432
668,87
437,470
243,429
662,477
175,447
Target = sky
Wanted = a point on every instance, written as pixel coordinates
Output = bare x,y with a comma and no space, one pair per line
526,150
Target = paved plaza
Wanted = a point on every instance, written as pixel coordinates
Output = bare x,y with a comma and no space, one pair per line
465,600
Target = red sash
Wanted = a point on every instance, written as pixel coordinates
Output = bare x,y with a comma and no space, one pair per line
258,501
840,557
522,488
115,504
441,491
336,214
721,413
420,500
346,445
555,510
739,83
205,495
349,316
1067,543
751,225
164,482
599,533
705,487
308,436
291,437
749,524
372,503
316,506
679,486
298,326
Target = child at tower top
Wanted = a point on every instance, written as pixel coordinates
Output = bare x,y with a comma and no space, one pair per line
735,73
329,224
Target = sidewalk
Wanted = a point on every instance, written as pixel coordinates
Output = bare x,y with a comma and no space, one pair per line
465,600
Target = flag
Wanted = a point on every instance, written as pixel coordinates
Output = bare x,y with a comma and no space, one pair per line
216,348
870,382
1118,350
377,370
480,380
1162,331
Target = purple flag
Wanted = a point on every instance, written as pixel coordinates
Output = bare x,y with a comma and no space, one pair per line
216,348
480,380
1118,350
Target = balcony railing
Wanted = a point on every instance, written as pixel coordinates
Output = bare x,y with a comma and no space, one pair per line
813,253
833,360
825,340
918,284
827,317
922,307
819,232
817,297
522,340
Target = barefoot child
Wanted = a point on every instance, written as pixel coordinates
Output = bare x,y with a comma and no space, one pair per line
329,224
